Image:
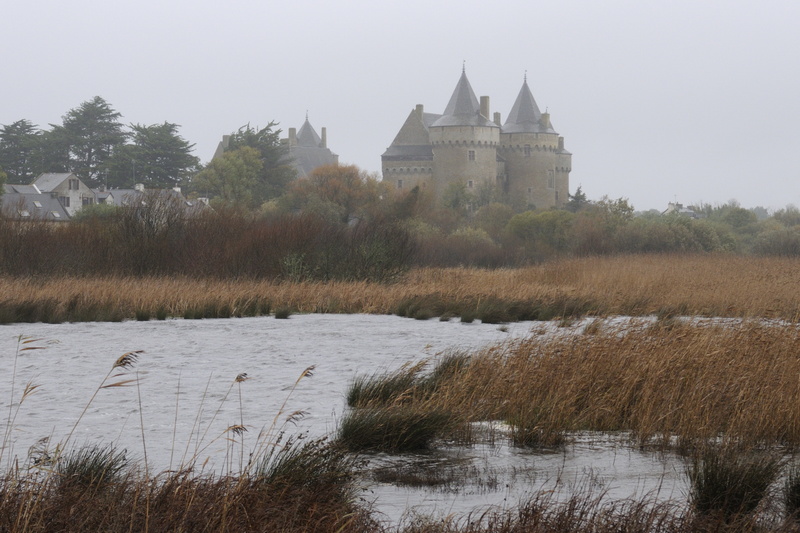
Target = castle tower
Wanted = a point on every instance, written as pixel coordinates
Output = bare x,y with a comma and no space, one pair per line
308,150
537,165
464,142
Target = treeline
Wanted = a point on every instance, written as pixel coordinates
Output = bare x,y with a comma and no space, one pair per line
93,143
223,244
341,224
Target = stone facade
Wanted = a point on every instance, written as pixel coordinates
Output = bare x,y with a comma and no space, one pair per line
524,158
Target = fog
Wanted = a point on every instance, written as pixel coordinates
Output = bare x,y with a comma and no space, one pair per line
680,101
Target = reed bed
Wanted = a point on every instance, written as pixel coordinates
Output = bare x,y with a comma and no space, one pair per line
705,285
668,382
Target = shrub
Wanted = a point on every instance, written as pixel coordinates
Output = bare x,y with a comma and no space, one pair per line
728,483
283,312
392,429
91,468
383,389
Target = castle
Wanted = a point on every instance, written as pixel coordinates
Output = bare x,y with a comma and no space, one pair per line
308,150
524,158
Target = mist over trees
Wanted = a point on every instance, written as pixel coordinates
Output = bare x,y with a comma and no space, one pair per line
254,184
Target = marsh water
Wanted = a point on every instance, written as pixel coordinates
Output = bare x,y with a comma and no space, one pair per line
185,397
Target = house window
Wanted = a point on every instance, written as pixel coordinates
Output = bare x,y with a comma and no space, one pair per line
472,155
73,184
399,184
37,204
527,150
470,184
24,213
64,200
56,214
87,201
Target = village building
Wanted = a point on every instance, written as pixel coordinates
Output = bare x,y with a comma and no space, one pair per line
27,202
466,146
71,192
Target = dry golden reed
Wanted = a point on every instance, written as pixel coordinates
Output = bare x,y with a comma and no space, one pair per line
668,382
707,285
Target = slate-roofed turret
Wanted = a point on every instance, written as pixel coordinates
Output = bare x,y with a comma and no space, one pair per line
525,116
463,108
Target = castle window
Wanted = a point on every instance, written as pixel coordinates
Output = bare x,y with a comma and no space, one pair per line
551,181
527,150
556,196
530,191
470,184
399,184
472,155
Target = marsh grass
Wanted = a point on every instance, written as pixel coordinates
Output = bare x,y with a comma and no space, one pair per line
91,468
283,312
728,483
685,285
290,483
397,429
393,411
791,492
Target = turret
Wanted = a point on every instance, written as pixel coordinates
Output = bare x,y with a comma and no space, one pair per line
464,141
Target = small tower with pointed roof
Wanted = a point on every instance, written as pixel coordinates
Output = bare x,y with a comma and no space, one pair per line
464,142
536,164
308,150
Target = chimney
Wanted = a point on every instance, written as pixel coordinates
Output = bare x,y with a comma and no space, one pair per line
324,137
292,136
545,120
497,118
485,106
418,110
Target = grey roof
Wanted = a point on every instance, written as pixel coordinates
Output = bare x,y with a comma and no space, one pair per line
429,118
31,206
463,108
408,153
307,158
307,136
137,198
525,116
22,189
49,181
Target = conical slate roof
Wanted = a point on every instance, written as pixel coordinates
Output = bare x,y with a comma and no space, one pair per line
525,116
463,108
307,136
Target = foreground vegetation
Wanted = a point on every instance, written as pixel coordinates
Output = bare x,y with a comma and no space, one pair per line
704,285
724,394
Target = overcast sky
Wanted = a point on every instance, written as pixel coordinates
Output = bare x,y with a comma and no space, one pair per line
658,101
